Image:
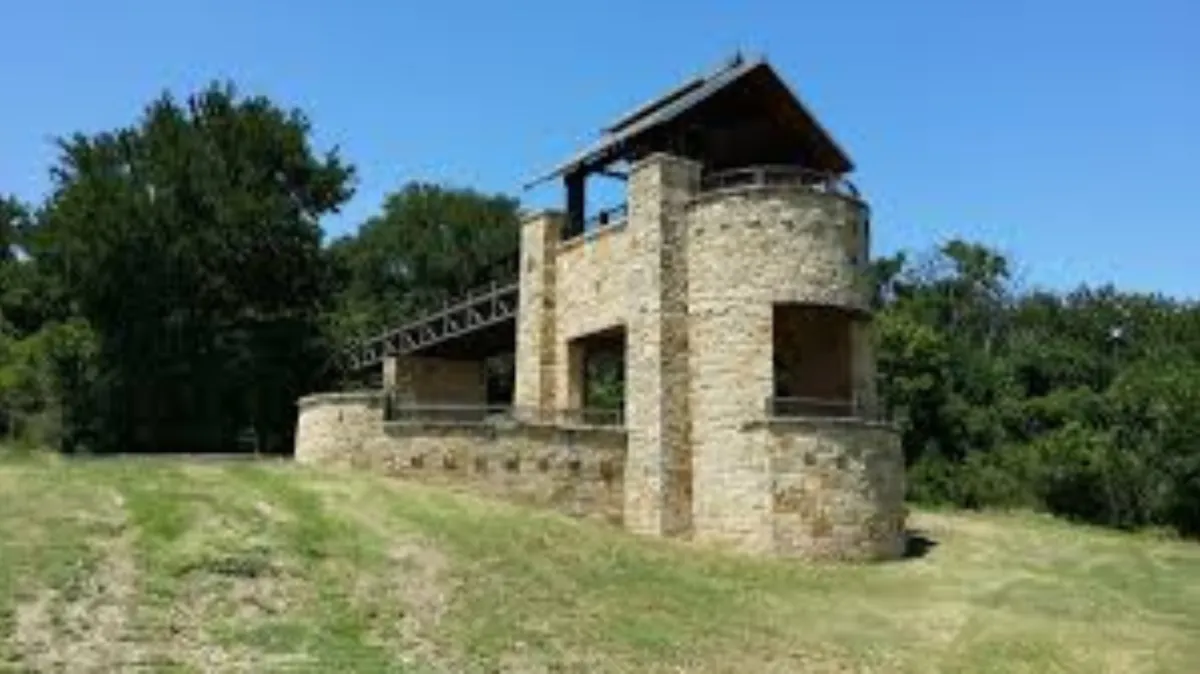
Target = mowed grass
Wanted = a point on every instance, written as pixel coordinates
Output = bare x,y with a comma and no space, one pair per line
162,564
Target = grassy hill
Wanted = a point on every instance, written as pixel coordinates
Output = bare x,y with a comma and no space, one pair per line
191,565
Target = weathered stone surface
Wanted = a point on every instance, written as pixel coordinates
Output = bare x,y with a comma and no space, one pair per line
659,468
536,335
731,378
575,471
776,244
748,250
837,489
332,427
593,281
435,381
713,290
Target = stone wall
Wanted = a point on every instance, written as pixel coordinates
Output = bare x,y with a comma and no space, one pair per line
436,381
776,244
748,249
838,488
578,472
536,320
659,467
591,297
332,427
592,289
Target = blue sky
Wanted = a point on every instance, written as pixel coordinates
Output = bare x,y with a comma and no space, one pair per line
1065,133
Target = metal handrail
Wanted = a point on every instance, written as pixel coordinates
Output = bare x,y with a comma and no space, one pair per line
799,407
591,416
452,413
499,295
608,216
782,175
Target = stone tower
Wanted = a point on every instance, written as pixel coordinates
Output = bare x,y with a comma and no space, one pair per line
731,282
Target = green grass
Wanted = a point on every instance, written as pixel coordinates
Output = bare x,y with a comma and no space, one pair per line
265,566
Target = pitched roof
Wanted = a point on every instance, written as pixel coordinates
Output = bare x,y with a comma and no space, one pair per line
679,100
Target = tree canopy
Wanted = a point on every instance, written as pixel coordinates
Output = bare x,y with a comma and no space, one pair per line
1084,403
190,244
430,244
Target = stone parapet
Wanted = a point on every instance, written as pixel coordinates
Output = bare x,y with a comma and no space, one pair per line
578,472
837,488
332,427
593,281
777,244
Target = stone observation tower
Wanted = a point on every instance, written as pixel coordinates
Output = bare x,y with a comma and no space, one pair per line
729,284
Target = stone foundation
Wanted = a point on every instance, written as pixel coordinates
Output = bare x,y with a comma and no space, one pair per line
805,488
577,471
837,488
332,427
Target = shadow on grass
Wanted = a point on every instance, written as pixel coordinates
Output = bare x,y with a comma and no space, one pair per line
917,544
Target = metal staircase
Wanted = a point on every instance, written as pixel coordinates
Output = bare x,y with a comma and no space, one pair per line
482,308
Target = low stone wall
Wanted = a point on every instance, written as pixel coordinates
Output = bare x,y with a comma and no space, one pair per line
577,471
838,488
332,427
805,488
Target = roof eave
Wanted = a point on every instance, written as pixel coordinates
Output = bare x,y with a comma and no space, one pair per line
679,99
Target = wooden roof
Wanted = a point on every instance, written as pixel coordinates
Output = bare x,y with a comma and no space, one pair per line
741,114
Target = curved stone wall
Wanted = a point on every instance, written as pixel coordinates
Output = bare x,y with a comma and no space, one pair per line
837,489
776,244
748,249
332,427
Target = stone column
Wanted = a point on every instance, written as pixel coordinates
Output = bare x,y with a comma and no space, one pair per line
862,363
399,379
574,379
533,391
658,472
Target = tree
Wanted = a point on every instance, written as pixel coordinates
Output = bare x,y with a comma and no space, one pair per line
14,219
1083,403
430,244
190,243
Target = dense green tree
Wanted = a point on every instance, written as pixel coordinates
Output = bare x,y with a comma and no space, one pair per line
1082,403
13,218
430,244
190,243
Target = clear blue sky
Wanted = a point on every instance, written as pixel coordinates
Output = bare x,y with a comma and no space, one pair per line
1066,133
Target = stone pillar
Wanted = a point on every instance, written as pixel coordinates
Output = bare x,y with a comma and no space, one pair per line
863,368
398,379
533,391
658,471
331,428
574,375
731,378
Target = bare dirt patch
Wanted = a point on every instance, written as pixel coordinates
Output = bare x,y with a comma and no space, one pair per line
85,625
410,596
206,603
408,601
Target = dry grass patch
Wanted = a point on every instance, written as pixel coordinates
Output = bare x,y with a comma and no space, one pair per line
267,567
